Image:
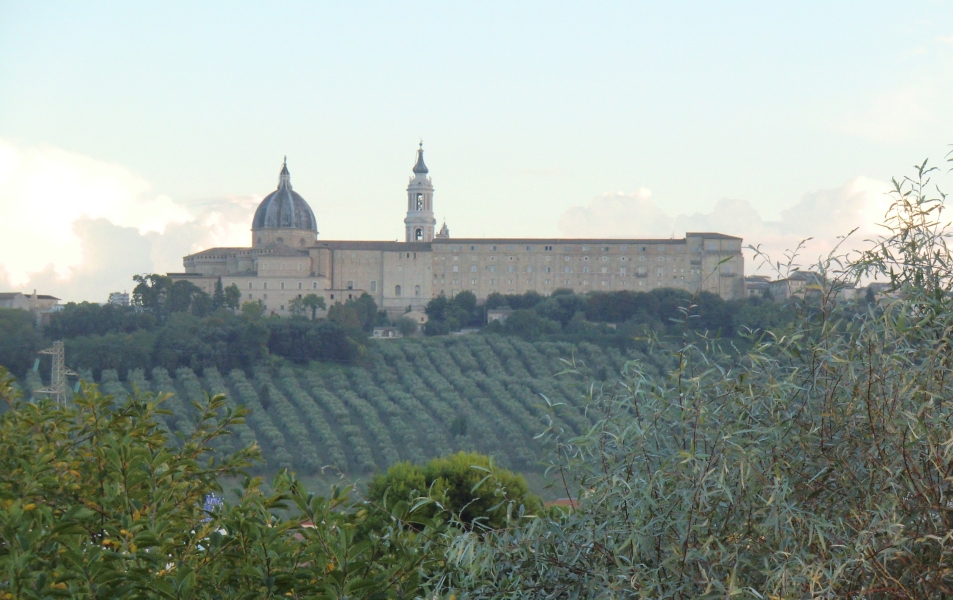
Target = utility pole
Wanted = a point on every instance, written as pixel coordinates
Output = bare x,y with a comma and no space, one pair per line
57,389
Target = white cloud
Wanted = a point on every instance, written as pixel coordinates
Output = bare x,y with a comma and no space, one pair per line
79,228
823,215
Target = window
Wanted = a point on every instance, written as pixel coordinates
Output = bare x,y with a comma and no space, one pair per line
416,290
299,283
529,269
585,258
659,271
623,248
456,268
585,269
605,248
265,286
567,259
265,296
473,268
473,282
350,285
511,247
548,248
605,258
491,268
510,269
397,290
282,285
374,286
418,236
420,202
249,285
493,248
249,296
314,285
548,281
332,295
605,270
472,248
567,269
549,269
529,248
585,248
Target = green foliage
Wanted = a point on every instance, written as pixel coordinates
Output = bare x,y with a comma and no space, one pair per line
86,318
818,465
406,326
446,315
315,303
19,340
95,503
466,486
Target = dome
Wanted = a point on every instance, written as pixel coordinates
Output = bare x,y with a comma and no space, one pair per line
420,168
284,208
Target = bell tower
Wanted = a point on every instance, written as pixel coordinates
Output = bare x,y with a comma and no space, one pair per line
420,222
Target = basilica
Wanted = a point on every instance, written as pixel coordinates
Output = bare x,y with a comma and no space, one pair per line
286,260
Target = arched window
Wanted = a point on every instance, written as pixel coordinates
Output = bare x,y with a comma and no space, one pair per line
416,290
418,234
397,290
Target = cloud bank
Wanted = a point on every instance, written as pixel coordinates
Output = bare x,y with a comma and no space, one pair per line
79,228
824,215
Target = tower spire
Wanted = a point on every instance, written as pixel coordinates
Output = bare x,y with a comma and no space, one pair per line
420,168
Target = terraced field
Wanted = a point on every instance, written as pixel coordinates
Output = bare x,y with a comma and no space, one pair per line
412,400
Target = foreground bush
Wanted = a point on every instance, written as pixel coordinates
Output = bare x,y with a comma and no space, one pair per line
465,486
94,502
819,466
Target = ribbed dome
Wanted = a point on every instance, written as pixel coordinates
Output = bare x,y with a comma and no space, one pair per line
284,208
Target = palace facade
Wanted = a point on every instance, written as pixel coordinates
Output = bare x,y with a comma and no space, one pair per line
287,260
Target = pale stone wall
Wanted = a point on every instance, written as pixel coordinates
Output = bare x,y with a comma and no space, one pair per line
293,238
401,276
518,266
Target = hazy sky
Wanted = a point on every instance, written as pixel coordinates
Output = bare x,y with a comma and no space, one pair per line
132,133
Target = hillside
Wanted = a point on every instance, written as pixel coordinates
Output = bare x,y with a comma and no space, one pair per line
412,400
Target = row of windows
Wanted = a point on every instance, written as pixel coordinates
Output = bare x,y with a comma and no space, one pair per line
585,282
398,290
567,258
712,246
281,285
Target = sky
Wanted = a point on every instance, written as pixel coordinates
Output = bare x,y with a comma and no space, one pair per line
133,133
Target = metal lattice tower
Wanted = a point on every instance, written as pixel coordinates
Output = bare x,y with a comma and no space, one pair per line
57,389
